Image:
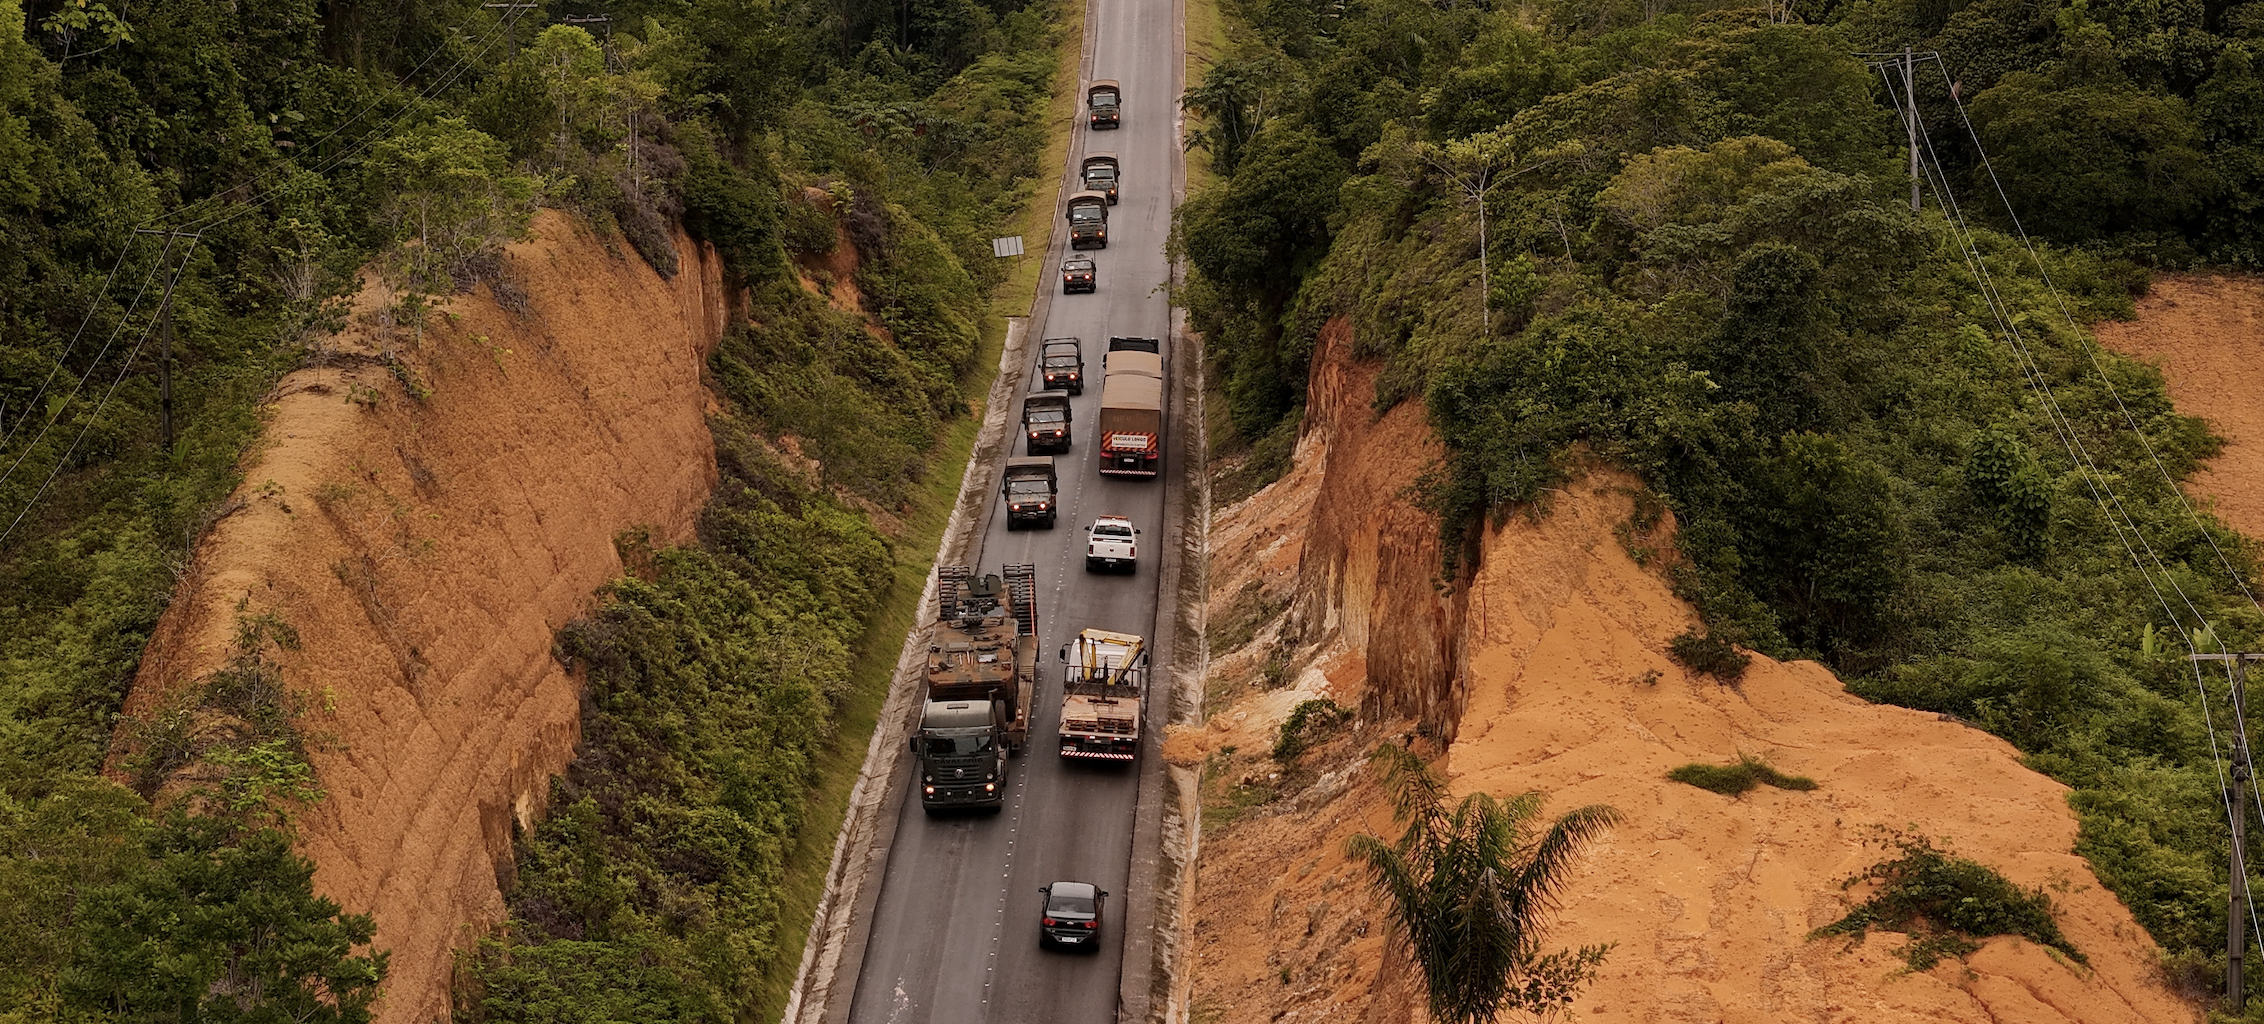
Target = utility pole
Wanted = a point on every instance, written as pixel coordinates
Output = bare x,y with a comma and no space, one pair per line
2236,898
511,20
165,328
1910,123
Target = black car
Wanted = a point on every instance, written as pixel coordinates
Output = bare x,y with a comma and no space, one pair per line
1072,915
1077,275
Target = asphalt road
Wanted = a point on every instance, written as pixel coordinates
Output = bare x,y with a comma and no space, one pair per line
954,937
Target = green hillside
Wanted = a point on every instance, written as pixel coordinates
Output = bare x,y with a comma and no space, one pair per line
287,145
1888,438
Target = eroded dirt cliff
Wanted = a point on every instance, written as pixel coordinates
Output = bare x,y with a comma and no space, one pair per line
1552,663
425,550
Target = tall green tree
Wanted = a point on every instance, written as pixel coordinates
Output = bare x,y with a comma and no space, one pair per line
222,926
1469,890
448,193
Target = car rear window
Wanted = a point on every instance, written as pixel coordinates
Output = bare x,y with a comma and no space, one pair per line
1068,905
1112,531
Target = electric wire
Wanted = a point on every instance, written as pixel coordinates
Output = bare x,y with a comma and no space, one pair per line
79,382
124,367
2118,516
504,24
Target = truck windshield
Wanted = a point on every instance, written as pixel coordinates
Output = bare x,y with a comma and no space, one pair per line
1065,359
1086,212
1105,98
1045,416
1029,487
1100,174
958,742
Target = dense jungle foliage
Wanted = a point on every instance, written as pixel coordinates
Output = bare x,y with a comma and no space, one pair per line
1676,235
307,139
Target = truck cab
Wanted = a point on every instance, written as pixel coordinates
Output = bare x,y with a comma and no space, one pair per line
1062,361
962,748
1104,103
1099,172
1029,491
1110,545
1088,221
1045,423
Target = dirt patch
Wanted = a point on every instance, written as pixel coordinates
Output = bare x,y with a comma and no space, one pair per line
1711,898
2206,332
426,550
1555,666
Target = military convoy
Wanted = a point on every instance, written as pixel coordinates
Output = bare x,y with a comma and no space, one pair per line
981,672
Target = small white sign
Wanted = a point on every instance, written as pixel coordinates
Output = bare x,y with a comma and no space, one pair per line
1011,245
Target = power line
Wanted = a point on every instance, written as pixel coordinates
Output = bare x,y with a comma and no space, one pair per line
204,223
2119,517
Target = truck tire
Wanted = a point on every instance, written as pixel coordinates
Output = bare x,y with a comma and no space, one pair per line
1092,565
1052,519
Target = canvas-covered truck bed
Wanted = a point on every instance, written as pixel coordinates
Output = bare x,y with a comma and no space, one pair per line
1133,415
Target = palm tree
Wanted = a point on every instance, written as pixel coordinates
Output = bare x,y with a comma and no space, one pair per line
1469,888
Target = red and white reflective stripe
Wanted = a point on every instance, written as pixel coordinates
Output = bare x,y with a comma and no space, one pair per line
1068,752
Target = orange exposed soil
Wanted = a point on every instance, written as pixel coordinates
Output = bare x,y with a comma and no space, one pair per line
2206,332
426,551
1549,655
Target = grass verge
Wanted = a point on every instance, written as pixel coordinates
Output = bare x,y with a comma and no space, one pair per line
807,863
1206,45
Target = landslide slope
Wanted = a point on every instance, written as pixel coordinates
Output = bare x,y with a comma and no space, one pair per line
2206,333
1560,641
425,549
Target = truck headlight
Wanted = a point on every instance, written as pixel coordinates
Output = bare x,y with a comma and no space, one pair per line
990,787
931,790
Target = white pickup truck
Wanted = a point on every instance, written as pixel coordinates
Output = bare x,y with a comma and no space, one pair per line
1110,545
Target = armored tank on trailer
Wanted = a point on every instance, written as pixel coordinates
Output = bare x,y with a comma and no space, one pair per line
982,669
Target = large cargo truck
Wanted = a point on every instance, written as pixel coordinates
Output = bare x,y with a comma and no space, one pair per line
982,669
1101,686
1131,420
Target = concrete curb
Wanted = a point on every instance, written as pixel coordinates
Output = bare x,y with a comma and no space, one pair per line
835,950
836,946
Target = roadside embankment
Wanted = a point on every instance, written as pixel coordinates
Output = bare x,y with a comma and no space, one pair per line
1547,671
426,548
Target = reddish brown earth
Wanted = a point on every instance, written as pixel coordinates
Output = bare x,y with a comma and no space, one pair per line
2206,332
426,551
1544,661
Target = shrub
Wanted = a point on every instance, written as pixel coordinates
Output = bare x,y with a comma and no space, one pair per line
1309,720
1709,654
1945,902
1734,779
